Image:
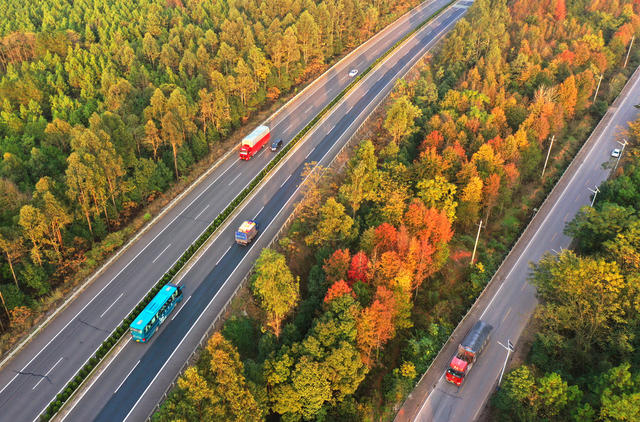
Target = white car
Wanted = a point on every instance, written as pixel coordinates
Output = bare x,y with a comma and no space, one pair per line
615,153
353,72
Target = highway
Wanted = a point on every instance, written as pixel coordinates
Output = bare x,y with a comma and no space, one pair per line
511,301
140,373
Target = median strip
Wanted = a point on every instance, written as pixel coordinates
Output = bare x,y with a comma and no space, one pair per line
84,373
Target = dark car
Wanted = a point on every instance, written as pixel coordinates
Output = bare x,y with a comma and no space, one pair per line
275,145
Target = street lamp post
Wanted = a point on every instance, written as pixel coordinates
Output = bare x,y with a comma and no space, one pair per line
597,88
547,159
628,51
509,348
595,193
475,245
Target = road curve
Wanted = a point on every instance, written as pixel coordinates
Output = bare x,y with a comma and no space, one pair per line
30,380
511,299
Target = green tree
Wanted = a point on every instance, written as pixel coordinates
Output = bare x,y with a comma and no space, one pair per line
232,399
440,194
582,297
400,120
34,227
593,226
275,287
362,179
334,225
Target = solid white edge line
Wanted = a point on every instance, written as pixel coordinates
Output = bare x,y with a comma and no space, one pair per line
178,311
127,376
48,372
160,254
309,153
113,303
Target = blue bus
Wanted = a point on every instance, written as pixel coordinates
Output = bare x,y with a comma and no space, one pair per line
146,324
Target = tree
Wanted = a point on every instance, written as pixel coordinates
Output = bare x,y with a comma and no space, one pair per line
13,248
362,177
336,266
338,289
554,395
290,47
80,180
334,224
259,64
400,118
234,399
517,395
152,138
385,237
560,12
275,287
584,297
308,35
104,167
491,193
359,269
199,396
620,398
54,212
375,324
246,85
177,123
439,193
322,369
34,227
592,227
150,48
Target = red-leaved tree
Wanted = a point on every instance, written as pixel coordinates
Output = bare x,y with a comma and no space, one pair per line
337,289
359,269
336,266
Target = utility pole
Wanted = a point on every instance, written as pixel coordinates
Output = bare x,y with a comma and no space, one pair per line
475,245
628,52
547,159
597,88
509,348
624,144
595,193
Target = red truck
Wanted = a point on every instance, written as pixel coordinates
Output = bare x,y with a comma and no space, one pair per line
254,141
468,351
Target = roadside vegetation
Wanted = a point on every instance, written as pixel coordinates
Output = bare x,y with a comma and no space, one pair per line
105,105
583,364
350,307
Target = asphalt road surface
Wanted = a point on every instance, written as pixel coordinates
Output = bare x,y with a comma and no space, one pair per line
509,308
136,379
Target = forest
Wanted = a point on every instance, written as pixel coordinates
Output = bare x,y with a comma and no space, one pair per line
105,104
583,363
364,287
